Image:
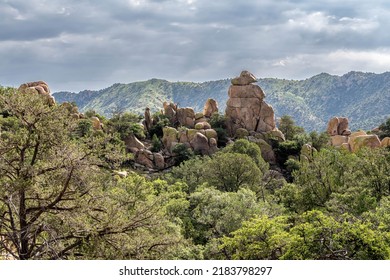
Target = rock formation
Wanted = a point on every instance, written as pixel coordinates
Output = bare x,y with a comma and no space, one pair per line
338,126
133,144
186,117
150,160
40,88
202,139
148,122
246,107
210,108
342,137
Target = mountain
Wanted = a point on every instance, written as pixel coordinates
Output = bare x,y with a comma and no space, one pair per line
362,97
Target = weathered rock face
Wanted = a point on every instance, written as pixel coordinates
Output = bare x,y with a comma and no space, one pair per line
132,142
170,111
210,108
338,126
202,140
149,159
186,117
338,140
246,107
39,87
159,161
144,157
170,138
148,122
361,141
200,144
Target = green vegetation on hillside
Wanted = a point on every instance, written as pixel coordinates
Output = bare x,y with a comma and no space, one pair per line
362,97
62,197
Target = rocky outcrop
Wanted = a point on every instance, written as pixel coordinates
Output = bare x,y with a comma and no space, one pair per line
202,140
186,117
150,160
342,137
148,121
133,144
338,126
371,141
210,108
170,111
246,107
39,87
170,138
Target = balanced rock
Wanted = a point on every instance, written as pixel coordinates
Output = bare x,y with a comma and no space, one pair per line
210,108
245,78
342,128
246,108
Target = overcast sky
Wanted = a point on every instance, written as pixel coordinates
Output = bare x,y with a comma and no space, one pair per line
91,44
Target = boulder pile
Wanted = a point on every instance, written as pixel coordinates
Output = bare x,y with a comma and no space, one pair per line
342,137
39,87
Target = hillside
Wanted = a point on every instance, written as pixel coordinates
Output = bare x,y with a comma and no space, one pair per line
362,97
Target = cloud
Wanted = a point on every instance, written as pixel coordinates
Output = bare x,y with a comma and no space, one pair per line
76,45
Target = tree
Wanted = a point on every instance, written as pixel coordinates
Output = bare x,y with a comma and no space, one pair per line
259,238
125,124
243,146
57,201
288,127
385,129
231,171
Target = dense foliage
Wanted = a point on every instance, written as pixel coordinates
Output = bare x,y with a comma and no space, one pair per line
60,197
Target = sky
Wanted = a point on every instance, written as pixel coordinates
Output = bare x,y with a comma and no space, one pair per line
90,44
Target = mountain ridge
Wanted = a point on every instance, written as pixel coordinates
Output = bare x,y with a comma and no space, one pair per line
362,97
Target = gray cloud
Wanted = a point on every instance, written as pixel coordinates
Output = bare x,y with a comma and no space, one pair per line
76,45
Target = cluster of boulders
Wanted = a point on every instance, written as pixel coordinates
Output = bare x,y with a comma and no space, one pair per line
342,137
186,127
202,139
39,87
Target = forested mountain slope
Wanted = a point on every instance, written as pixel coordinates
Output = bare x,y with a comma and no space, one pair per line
362,97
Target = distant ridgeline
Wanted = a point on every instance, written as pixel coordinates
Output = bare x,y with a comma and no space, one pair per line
364,98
